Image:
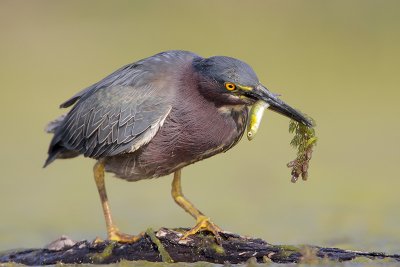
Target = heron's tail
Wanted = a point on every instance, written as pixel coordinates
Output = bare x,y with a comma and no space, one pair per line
52,157
56,149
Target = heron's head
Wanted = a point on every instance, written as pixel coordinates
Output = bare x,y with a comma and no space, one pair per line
229,81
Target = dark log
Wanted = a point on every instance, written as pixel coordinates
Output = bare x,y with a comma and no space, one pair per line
165,245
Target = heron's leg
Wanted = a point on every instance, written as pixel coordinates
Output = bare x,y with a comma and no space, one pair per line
112,231
203,222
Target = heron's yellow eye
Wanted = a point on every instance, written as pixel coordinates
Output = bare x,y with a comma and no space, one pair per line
230,86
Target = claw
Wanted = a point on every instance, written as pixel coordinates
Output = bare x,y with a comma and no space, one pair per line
98,240
115,235
204,223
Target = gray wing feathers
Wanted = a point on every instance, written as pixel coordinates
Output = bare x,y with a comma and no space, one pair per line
134,74
114,120
52,126
119,113
122,76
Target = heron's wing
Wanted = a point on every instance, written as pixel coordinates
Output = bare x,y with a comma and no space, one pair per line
120,113
123,76
114,120
135,73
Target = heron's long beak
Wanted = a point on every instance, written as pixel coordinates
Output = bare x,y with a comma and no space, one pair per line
277,105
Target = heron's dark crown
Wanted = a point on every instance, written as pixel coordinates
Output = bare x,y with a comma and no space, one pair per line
226,69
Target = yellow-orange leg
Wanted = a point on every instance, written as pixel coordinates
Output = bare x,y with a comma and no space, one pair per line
203,222
112,231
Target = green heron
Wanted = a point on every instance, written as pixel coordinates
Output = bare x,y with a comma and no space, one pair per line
153,117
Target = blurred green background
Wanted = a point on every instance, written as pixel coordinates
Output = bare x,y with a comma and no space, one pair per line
337,61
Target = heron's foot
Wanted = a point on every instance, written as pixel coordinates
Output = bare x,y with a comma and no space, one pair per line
204,224
115,235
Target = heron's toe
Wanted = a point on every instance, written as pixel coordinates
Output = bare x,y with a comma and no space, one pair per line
204,224
115,235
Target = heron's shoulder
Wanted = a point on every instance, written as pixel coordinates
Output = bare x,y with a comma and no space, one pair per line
168,58
139,73
174,55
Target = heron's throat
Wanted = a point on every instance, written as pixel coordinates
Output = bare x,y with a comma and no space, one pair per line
237,113
229,110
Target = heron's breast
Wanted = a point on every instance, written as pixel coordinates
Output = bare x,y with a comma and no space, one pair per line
181,142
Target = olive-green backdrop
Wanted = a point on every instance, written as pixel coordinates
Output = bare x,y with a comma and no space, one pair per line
337,61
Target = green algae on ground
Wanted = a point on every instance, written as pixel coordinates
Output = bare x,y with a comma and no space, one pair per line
304,140
287,250
208,242
107,252
218,249
161,249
